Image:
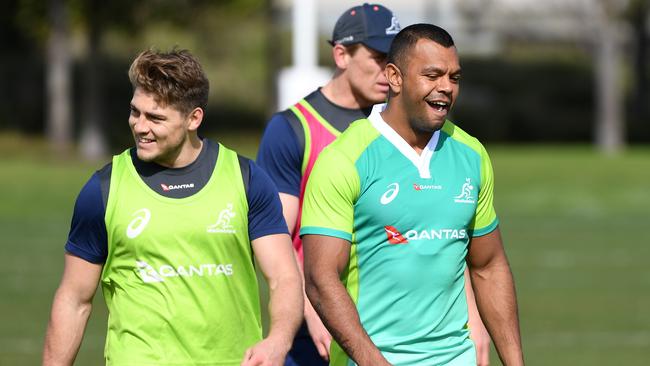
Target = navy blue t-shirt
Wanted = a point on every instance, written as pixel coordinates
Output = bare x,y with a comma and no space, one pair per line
88,239
283,142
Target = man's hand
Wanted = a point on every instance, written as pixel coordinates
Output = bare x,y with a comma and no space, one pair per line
268,352
319,334
481,339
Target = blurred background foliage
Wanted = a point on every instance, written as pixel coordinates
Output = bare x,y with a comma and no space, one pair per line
573,219
104,37
533,90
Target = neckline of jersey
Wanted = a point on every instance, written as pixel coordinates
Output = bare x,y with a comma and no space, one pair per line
422,161
177,201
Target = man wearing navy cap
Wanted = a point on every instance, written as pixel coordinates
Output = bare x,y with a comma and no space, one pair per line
294,137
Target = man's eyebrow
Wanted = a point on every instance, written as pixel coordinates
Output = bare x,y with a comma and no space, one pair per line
150,115
431,69
435,69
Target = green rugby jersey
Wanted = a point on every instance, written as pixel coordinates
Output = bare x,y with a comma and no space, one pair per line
409,219
179,280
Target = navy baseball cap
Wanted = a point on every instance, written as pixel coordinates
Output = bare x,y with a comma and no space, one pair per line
370,24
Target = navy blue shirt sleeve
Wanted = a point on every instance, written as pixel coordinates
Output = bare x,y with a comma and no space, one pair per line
280,155
264,206
87,238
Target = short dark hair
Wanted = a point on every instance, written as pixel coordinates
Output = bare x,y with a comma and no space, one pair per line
409,36
353,48
175,78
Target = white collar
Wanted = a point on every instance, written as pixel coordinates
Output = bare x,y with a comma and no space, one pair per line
422,161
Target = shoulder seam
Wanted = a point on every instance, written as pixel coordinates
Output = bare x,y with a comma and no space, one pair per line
104,175
458,134
245,168
295,126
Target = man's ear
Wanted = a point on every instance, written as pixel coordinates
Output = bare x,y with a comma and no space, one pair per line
394,76
341,56
194,119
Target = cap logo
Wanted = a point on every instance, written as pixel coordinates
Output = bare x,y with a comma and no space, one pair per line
394,27
345,39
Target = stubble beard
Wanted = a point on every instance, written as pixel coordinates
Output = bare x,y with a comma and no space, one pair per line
423,126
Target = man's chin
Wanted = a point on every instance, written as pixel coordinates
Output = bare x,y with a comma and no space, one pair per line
144,156
427,127
380,98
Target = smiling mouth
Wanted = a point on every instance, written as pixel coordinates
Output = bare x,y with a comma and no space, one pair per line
439,106
143,140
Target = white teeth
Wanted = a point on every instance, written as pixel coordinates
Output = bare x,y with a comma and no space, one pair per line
439,106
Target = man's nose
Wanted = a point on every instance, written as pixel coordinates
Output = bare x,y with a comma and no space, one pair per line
444,85
140,124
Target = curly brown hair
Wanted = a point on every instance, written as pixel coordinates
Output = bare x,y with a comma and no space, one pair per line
175,78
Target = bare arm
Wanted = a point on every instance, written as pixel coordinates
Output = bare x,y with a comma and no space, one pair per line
274,255
495,295
477,330
290,206
325,259
70,311
317,331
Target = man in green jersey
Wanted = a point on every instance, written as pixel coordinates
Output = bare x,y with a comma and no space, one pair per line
173,229
397,207
294,138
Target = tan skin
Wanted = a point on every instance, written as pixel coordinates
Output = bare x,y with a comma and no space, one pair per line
360,82
164,135
495,295
431,75
326,258
168,137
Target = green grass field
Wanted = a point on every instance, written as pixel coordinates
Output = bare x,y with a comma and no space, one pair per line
573,224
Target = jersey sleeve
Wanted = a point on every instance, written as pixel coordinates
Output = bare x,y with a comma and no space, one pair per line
485,219
332,190
280,155
264,206
87,238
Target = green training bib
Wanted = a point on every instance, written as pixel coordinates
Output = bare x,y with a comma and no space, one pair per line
179,280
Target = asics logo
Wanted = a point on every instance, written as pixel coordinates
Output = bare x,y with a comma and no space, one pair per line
390,194
138,224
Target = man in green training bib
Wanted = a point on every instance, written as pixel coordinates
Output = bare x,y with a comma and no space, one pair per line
172,229
396,208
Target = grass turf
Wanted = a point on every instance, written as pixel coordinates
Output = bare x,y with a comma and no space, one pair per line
572,220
